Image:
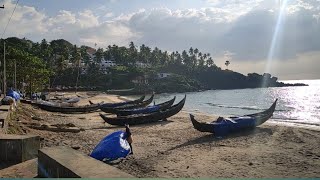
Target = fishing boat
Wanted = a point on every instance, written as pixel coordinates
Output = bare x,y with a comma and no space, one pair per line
145,118
53,107
145,110
127,106
223,126
112,105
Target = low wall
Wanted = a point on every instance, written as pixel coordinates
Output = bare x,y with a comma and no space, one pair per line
65,162
4,116
18,148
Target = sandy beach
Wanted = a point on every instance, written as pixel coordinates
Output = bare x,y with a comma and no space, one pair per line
175,149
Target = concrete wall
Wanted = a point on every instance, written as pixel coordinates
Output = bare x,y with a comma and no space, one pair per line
18,148
4,116
64,162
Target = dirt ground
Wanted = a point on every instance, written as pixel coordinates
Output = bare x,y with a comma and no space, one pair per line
175,149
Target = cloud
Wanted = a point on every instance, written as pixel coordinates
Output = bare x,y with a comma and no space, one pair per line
80,28
25,21
243,28
246,34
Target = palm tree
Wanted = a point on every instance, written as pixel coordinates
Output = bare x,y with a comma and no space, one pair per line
201,60
227,64
191,51
196,51
209,62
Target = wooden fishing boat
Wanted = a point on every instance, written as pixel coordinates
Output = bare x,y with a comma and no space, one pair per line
127,106
66,109
223,126
145,118
112,105
145,110
25,101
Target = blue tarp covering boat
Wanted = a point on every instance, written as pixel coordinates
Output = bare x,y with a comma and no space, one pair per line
227,125
112,147
15,95
224,126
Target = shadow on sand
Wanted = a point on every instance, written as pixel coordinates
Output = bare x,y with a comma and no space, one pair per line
211,138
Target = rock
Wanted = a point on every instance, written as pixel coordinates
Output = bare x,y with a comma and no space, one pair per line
250,164
75,147
36,118
44,126
70,125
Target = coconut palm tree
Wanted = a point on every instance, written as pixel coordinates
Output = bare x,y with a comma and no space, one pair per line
227,63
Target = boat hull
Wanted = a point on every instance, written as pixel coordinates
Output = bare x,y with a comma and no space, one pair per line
224,126
146,110
145,118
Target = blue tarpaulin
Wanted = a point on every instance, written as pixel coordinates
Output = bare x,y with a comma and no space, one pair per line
228,125
146,110
112,147
14,94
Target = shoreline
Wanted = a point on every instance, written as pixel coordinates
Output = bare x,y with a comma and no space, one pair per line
175,149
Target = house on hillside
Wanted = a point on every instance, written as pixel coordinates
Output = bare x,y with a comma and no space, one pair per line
140,80
163,75
105,65
142,65
91,52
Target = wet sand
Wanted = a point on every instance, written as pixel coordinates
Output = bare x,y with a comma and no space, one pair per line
175,149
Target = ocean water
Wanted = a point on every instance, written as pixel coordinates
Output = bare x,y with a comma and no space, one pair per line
296,105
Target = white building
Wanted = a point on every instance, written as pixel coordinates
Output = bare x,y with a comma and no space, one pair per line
107,63
140,80
163,75
142,65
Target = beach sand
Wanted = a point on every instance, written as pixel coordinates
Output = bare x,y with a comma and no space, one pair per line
175,149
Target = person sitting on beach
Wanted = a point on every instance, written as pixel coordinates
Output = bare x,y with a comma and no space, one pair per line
220,119
128,137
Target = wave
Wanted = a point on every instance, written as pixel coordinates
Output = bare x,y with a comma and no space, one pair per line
241,107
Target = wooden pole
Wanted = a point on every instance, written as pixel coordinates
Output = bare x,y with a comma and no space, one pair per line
4,69
77,77
15,74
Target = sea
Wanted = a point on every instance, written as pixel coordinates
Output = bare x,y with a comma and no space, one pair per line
298,105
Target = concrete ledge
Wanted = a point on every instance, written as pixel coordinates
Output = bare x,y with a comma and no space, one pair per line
4,107
64,162
27,169
3,121
4,116
18,148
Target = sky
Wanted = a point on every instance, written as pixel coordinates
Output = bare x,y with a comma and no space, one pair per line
281,37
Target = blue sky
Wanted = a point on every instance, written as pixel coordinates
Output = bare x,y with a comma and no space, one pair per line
237,30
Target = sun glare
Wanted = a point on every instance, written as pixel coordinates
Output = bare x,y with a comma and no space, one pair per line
275,37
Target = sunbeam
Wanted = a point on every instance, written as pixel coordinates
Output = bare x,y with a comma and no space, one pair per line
275,38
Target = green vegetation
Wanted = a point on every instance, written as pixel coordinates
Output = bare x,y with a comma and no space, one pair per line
40,65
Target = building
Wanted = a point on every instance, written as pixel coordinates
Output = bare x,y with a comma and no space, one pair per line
107,63
163,75
142,65
139,80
